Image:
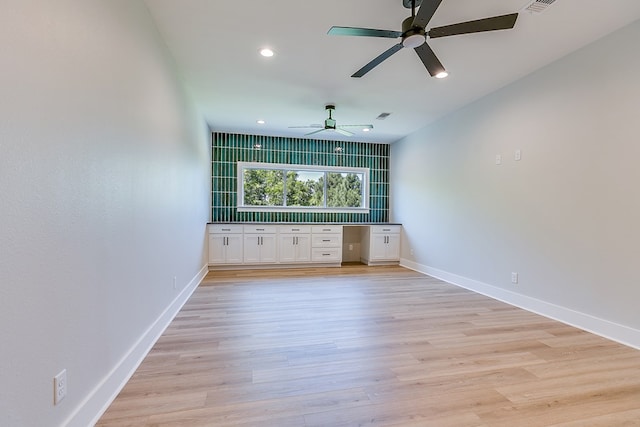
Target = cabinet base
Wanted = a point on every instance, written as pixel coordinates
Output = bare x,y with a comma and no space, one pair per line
272,266
373,263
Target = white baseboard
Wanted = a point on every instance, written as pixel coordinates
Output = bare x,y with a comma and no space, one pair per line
96,403
604,328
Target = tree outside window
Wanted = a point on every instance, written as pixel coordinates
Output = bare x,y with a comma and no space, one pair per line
265,186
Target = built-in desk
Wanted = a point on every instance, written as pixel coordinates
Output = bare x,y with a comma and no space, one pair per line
269,245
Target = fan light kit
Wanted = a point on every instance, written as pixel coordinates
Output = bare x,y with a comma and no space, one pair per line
331,126
414,34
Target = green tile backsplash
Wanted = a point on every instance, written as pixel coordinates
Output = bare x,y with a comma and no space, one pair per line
228,149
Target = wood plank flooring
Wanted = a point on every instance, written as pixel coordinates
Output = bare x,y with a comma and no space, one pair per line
381,346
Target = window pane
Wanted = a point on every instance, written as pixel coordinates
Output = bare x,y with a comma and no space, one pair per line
344,190
305,188
263,187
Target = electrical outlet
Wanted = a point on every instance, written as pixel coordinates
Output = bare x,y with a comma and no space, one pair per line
517,156
411,251
59,387
175,282
514,277
498,159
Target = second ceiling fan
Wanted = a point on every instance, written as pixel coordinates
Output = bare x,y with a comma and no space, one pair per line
330,124
414,34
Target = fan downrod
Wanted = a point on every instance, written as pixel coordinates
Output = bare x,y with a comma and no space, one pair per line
408,3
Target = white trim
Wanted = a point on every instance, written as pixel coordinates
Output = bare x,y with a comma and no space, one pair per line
604,328
301,209
97,402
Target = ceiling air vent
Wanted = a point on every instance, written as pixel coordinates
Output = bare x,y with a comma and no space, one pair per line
383,116
538,6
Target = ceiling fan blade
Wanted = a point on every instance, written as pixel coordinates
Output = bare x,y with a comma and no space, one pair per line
503,22
344,132
376,61
425,13
306,127
429,59
357,126
366,32
315,131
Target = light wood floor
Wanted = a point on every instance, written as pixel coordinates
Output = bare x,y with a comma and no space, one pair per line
382,346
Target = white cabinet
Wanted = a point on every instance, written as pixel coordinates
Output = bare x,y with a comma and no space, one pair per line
294,244
272,245
260,244
326,244
225,244
381,245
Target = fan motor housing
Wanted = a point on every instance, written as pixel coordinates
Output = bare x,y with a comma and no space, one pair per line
408,29
330,124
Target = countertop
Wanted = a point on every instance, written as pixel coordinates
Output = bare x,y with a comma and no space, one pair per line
305,223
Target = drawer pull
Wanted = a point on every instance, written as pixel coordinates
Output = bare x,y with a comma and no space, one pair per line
326,240
386,229
226,229
295,229
326,229
326,254
259,229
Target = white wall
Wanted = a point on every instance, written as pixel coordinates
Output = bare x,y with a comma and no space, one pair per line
104,188
565,217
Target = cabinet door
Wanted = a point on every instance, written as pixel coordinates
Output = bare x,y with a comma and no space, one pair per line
268,252
393,247
287,248
378,247
251,248
217,249
234,253
303,248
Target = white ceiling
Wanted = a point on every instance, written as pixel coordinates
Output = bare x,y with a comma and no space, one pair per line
215,44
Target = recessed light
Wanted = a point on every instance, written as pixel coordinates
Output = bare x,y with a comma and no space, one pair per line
266,52
442,75
260,122
366,130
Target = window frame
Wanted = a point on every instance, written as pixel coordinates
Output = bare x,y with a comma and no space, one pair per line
286,167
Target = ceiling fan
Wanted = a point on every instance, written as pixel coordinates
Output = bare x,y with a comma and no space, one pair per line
414,34
330,125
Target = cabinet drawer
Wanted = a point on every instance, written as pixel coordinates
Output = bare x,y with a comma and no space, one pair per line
326,229
266,229
387,229
225,229
326,241
326,255
294,229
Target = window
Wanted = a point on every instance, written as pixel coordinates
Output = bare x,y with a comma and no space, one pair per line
281,187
